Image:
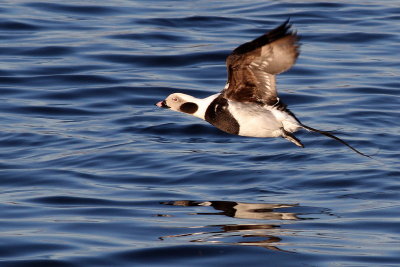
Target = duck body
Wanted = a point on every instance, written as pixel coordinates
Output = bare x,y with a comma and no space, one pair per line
249,119
239,118
249,104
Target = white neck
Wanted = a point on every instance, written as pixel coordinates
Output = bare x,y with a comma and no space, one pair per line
203,105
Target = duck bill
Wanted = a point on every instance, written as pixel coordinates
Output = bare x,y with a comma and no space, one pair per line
162,104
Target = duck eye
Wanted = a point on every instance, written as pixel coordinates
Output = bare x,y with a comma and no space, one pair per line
175,99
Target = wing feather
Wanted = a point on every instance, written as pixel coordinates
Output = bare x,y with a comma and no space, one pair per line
252,66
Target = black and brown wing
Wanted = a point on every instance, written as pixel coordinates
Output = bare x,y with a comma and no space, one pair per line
252,66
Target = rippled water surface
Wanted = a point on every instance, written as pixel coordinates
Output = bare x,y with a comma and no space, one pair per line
93,174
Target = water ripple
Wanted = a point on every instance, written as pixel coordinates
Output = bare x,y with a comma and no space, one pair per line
91,10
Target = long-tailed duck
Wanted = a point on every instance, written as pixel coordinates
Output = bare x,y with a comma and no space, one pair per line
249,105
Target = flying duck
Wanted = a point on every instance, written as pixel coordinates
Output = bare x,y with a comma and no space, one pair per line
249,104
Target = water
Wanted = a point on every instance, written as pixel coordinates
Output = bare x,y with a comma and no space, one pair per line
93,174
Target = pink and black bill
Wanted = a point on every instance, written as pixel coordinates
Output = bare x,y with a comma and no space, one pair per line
162,104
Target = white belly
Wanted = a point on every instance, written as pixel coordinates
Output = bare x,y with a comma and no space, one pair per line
289,123
257,121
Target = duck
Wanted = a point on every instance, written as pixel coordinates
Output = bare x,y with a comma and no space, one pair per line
249,104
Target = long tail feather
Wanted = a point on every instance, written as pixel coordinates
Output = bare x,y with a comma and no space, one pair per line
334,137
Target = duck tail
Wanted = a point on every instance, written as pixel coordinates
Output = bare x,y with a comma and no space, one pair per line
334,137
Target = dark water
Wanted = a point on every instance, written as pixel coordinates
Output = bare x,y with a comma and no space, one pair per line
92,174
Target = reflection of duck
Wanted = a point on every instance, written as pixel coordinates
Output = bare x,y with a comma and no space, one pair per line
262,235
240,210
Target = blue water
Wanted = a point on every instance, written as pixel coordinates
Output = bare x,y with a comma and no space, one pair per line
93,174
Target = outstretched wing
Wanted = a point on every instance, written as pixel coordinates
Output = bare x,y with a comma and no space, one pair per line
252,66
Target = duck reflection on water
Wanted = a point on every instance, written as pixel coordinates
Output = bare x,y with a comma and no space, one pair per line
251,233
240,210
